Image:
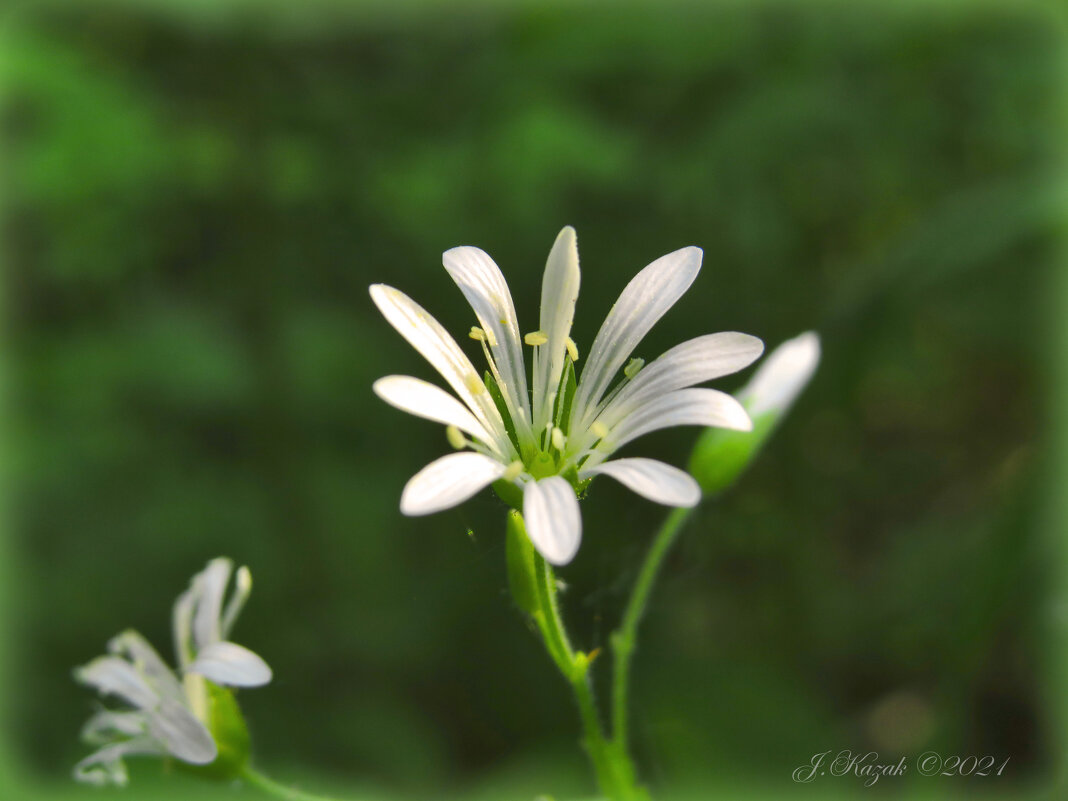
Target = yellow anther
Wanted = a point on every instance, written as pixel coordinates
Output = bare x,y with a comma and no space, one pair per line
512,471
483,335
474,384
572,349
633,366
558,438
455,437
599,429
536,338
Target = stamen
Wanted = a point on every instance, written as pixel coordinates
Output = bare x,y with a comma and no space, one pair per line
474,384
633,366
599,429
512,471
492,364
572,349
558,439
536,338
483,335
455,437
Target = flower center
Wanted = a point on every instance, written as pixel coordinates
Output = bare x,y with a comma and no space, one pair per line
542,465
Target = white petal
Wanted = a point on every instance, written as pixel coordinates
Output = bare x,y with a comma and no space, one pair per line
683,407
553,520
423,399
693,362
559,291
111,675
644,301
148,664
231,665
433,342
482,283
242,590
209,587
106,726
105,765
182,623
448,481
783,375
185,737
651,479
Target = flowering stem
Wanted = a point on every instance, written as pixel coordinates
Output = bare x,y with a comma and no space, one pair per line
615,774
548,618
624,638
273,788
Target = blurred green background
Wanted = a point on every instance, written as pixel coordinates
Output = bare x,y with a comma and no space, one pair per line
196,197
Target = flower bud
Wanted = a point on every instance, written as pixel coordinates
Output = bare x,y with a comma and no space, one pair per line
721,455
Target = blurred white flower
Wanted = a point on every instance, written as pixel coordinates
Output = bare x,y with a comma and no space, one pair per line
169,714
550,441
782,375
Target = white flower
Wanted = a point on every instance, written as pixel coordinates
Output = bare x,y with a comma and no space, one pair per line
550,441
782,375
169,713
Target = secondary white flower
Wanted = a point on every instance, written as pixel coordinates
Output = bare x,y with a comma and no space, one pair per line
551,440
169,712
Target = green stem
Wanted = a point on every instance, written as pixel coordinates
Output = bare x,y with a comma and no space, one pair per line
623,640
614,773
273,788
548,616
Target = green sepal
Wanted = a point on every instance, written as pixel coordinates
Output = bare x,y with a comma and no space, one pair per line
564,395
502,409
520,557
508,492
227,727
581,485
722,455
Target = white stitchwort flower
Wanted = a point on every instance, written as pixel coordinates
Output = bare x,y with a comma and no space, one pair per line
550,440
169,712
